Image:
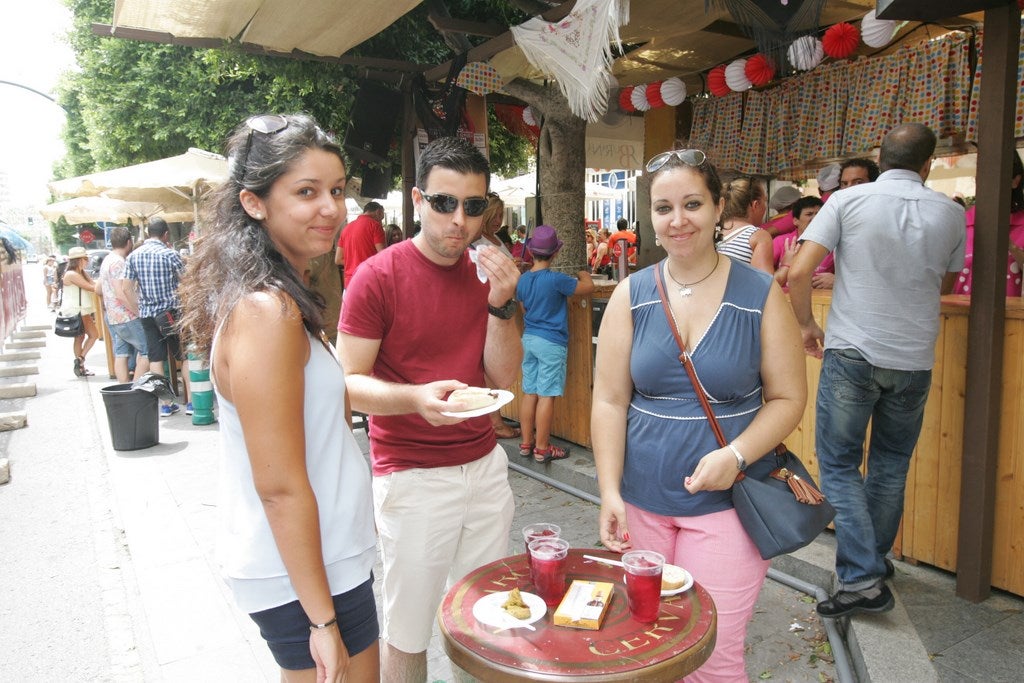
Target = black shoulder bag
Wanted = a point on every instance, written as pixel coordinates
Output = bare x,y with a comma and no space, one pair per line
782,512
70,325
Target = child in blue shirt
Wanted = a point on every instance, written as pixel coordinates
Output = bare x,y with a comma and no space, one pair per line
543,294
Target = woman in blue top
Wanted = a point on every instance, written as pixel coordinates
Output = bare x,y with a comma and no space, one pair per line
665,483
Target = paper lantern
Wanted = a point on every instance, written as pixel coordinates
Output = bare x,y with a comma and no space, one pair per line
716,81
759,70
673,91
639,98
840,40
529,116
806,53
626,100
654,97
876,32
735,77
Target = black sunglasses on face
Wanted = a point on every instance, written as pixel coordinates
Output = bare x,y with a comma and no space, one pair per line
445,203
690,157
268,124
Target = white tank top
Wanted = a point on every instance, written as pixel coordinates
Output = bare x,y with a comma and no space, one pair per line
339,475
69,300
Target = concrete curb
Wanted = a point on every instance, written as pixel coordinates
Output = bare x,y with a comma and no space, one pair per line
26,344
21,390
20,355
19,371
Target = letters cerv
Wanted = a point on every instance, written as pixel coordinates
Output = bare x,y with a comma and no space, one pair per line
685,624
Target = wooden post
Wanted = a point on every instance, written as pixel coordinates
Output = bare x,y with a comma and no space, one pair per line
988,302
408,141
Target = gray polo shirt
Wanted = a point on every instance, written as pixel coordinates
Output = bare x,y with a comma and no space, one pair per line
894,240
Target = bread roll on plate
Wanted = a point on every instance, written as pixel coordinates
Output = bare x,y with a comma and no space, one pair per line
672,577
473,398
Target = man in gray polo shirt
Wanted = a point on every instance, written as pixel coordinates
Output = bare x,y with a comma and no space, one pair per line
898,246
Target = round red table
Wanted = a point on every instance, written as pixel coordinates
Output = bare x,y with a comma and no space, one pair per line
622,650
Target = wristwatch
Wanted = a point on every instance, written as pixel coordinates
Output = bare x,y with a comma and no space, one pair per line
505,312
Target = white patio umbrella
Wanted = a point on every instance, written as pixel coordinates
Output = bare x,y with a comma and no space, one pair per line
185,177
514,191
93,209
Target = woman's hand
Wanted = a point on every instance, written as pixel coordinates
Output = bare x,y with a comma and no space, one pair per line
790,247
329,653
716,471
612,524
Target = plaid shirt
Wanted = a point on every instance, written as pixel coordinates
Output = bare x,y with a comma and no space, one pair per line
156,267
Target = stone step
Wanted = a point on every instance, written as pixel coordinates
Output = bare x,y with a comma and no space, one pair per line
9,421
5,470
19,371
37,328
20,355
25,344
29,334
22,390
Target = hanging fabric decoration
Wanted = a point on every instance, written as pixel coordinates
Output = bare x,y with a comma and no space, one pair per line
626,100
673,91
759,70
840,40
529,116
576,52
806,53
716,81
736,77
480,78
639,98
876,32
654,97
772,24
511,116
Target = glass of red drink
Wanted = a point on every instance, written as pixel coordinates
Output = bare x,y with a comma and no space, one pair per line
643,583
532,532
549,564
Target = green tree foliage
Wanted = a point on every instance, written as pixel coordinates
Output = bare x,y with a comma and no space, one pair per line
132,101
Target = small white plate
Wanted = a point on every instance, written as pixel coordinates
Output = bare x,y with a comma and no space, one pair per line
487,610
687,585
504,397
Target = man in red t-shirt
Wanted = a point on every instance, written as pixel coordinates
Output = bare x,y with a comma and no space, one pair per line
360,239
623,233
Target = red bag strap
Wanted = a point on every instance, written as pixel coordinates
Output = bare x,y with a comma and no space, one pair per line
684,358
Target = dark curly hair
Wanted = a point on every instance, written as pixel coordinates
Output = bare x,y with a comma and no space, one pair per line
235,255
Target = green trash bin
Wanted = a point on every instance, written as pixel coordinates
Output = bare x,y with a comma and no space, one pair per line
133,415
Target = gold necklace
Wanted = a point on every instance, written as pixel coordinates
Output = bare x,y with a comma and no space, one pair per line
685,289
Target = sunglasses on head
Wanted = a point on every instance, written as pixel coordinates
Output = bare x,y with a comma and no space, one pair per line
445,203
268,124
690,157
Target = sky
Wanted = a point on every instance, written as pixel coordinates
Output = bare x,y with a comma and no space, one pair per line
33,52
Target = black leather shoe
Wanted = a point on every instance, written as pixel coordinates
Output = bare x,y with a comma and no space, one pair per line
845,603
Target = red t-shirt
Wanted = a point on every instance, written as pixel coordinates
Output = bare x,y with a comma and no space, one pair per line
617,237
358,241
432,323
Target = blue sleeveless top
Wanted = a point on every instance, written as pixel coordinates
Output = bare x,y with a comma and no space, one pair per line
667,432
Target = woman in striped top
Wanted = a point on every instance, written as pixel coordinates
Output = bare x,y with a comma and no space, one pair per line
746,203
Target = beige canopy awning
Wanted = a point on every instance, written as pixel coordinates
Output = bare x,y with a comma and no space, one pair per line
94,209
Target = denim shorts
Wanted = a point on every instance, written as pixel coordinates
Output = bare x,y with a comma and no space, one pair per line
286,628
130,338
543,366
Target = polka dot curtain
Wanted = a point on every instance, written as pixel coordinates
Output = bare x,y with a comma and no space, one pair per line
972,118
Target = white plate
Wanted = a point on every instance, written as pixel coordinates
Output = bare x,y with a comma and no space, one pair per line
504,397
687,585
487,610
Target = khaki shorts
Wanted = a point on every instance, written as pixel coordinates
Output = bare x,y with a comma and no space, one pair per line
435,526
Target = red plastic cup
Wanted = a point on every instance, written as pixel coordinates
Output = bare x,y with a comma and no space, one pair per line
643,584
532,532
549,565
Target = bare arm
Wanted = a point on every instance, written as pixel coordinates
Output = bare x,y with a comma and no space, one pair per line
125,291
263,352
584,284
73,277
339,256
374,396
503,349
763,257
613,388
784,381
379,246
807,260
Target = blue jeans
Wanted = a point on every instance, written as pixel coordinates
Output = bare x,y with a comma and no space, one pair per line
851,391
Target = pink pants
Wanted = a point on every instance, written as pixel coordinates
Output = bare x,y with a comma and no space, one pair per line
721,557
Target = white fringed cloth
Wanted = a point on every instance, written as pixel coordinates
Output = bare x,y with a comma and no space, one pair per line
576,52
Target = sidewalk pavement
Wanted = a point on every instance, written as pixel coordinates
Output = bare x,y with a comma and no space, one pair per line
109,574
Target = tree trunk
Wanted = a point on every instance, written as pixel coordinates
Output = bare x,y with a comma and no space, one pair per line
561,169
